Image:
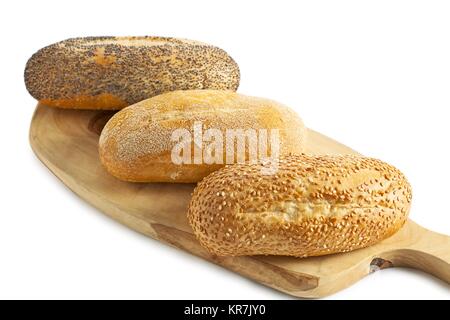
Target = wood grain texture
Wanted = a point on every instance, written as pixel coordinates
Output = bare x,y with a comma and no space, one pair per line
66,141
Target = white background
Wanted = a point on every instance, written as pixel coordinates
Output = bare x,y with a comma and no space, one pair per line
374,75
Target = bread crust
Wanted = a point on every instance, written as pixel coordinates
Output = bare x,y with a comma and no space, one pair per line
135,145
114,72
314,205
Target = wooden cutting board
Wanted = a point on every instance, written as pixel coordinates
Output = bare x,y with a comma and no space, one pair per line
66,142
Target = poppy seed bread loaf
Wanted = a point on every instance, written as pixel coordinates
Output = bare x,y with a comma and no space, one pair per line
114,72
313,205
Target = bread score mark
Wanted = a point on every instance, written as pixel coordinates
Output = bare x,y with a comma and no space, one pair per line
101,58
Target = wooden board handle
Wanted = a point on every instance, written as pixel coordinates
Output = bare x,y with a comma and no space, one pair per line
428,251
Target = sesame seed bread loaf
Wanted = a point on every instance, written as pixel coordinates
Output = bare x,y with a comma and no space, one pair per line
136,144
114,72
314,205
